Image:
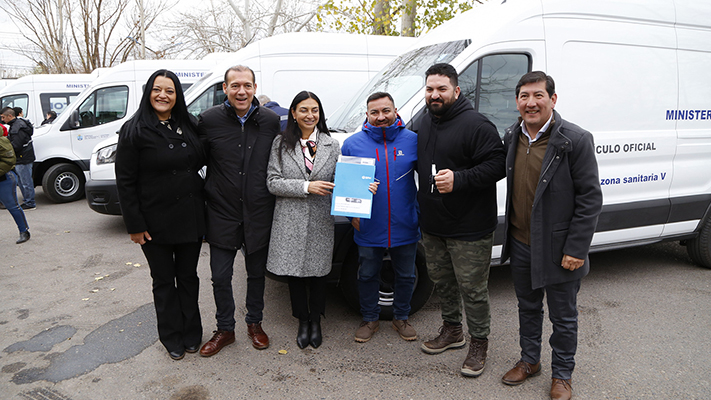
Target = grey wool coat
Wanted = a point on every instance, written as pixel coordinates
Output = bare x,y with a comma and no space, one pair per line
301,243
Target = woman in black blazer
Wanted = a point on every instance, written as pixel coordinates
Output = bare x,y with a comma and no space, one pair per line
158,160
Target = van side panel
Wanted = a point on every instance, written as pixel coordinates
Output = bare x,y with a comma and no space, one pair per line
692,114
635,57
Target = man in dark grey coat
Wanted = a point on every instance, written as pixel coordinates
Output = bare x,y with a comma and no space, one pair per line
553,200
238,138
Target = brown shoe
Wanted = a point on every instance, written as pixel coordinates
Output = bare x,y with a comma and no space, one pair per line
366,330
476,358
520,372
406,331
561,389
219,340
450,337
260,340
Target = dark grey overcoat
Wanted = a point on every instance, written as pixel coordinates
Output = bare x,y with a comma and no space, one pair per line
566,205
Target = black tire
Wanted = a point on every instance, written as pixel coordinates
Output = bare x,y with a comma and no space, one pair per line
349,283
63,183
699,248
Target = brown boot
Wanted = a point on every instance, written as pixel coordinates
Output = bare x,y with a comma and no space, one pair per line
366,330
520,372
561,389
476,358
260,340
219,340
450,337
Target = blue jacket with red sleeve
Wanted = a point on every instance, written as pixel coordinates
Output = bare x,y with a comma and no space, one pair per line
394,218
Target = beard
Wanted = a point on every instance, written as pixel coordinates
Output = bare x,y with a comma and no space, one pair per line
440,106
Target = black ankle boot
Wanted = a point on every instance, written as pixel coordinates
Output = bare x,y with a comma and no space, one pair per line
302,337
316,338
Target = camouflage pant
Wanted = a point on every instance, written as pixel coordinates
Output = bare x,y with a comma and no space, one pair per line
460,271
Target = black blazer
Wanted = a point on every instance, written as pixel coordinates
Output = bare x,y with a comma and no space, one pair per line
159,186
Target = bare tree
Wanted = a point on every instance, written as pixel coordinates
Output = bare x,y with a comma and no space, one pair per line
228,25
45,20
78,36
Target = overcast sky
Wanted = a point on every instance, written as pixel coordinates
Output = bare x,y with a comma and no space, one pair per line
11,38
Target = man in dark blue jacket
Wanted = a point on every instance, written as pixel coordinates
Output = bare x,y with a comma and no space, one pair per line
393,226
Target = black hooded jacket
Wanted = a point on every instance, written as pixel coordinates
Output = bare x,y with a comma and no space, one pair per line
467,143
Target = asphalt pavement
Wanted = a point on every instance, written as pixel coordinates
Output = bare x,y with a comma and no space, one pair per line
77,322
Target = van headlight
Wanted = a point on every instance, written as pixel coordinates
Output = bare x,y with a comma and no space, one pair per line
106,155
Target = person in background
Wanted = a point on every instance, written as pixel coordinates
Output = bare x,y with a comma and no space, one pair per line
51,116
460,158
8,193
20,135
302,166
238,136
393,225
158,160
282,112
551,215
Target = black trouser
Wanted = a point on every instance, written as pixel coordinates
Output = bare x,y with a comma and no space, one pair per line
175,292
562,309
308,297
222,266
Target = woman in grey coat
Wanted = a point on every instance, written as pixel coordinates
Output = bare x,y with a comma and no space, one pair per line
302,165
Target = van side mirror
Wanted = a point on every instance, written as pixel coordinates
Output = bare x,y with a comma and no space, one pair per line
74,120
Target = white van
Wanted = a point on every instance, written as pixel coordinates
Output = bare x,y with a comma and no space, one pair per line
332,65
63,149
634,73
39,94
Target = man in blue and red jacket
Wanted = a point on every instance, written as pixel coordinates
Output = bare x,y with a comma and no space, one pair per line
393,226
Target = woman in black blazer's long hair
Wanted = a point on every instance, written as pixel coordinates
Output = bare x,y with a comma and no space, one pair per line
158,160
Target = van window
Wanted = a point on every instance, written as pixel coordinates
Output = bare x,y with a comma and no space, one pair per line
104,105
403,78
490,84
211,97
16,100
56,102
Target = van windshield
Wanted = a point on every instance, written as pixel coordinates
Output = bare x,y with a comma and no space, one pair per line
403,78
197,84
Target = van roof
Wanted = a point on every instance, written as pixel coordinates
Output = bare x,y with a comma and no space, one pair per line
495,19
323,43
20,85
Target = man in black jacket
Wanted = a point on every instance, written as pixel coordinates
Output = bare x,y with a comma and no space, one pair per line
20,135
238,138
460,158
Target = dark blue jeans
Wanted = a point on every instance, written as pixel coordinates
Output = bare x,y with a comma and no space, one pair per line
371,261
222,265
26,184
8,197
562,310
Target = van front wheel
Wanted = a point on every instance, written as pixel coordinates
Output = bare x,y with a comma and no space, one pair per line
699,248
63,183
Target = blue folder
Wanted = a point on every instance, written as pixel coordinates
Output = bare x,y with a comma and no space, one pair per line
351,197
